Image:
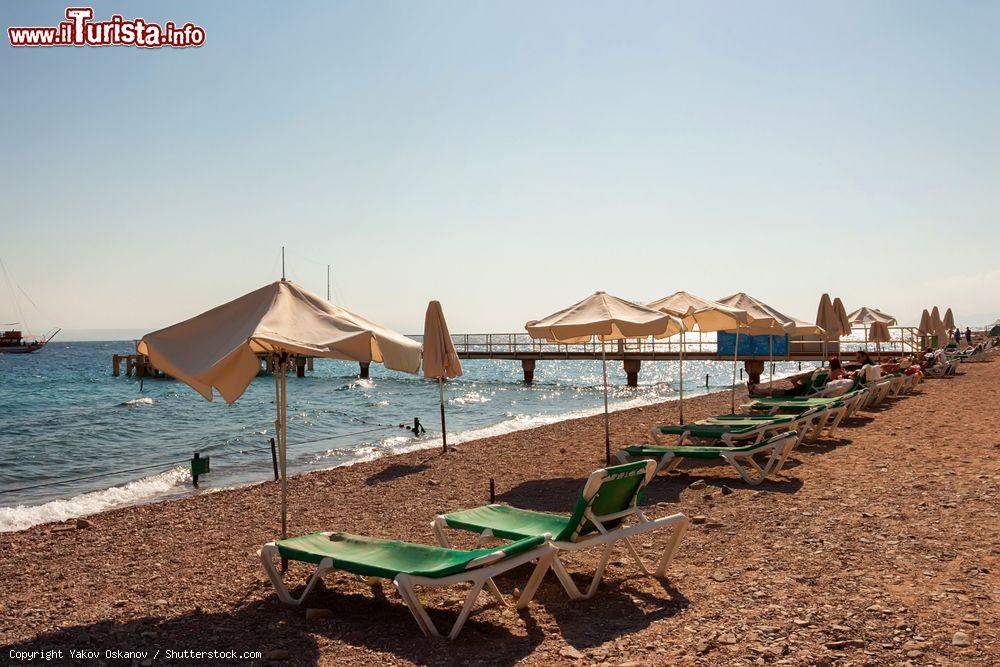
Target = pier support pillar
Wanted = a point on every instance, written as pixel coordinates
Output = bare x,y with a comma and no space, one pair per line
116,361
528,367
754,369
632,371
300,367
364,370
309,363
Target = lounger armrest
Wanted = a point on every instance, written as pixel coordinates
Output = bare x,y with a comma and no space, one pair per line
618,533
526,545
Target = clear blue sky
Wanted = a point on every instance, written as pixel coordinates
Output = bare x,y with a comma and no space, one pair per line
507,158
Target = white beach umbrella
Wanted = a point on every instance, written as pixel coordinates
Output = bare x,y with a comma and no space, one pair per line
706,315
868,317
440,358
607,318
765,320
219,348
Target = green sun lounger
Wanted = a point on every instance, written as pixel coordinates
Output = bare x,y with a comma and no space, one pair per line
742,459
409,565
822,413
610,496
727,430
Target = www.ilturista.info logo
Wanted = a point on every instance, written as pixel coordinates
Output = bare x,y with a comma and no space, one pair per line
80,30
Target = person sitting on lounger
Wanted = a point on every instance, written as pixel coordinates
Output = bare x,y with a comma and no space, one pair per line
863,358
837,371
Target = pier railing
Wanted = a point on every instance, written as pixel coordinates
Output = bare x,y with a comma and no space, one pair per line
695,344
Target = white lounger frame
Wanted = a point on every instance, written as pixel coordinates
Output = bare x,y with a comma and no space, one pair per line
752,474
480,572
817,419
604,537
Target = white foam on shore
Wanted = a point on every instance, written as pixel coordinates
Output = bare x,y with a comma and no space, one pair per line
404,444
132,493
150,488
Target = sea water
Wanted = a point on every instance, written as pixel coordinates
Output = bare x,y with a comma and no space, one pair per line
84,441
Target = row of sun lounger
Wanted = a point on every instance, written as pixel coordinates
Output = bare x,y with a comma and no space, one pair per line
770,427
756,443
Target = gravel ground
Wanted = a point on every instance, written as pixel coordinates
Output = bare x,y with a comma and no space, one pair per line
878,548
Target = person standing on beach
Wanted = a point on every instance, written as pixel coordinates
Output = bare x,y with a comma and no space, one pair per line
968,335
958,336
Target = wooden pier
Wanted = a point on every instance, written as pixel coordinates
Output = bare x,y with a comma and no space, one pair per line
632,353
139,365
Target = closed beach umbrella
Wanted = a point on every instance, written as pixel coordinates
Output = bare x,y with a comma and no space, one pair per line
879,333
937,326
218,349
949,320
440,358
845,322
607,318
925,322
706,314
924,328
828,318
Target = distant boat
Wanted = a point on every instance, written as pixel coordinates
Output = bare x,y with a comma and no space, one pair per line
12,342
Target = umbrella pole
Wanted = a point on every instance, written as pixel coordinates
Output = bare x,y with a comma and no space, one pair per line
736,354
682,376
607,426
444,431
283,447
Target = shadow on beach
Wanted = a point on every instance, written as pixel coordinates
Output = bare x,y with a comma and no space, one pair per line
378,623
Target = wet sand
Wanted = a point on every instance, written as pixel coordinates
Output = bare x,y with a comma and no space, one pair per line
876,548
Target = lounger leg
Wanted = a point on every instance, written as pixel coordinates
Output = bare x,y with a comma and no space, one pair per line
531,586
668,553
470,601
267,555
836,421
439,524
567,582
599,574
744,473
667,463
405,589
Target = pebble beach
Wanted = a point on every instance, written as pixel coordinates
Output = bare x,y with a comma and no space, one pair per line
877,548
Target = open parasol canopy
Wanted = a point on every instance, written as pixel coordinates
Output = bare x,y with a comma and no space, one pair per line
705,314
605,317
218,349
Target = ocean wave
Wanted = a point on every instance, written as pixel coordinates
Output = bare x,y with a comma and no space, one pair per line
469,398
136,402
132,493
